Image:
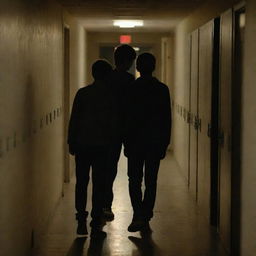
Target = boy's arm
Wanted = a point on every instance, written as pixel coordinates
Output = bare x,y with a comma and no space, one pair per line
168,117
72,128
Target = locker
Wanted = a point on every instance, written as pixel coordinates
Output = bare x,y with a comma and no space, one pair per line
204,112
226,35
193,109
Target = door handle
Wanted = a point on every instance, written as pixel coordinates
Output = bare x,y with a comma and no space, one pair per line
209,131
221,138
196,123
199,124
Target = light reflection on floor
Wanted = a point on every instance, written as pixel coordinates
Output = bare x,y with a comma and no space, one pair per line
178,228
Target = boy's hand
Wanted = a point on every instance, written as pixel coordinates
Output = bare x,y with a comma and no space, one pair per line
72,150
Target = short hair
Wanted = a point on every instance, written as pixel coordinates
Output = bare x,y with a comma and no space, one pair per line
123,53
101,69
146,63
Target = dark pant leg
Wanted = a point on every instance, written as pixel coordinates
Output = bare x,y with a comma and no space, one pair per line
98,182
135,174
82,178
151,171
113,158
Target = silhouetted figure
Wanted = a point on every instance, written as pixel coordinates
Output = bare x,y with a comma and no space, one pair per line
89,136
119,83
147,136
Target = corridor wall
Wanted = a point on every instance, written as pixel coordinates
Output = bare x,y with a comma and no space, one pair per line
77,75
248,208
209,10
196,165
31,121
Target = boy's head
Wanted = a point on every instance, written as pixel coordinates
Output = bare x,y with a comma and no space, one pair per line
146,63
101,69
124,56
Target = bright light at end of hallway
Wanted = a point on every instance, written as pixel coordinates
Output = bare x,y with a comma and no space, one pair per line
128,23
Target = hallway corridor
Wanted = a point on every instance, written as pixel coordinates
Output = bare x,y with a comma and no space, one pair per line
206,55
178,227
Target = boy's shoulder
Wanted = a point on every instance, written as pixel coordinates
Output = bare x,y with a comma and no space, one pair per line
117,75
146,83
151,80
85,89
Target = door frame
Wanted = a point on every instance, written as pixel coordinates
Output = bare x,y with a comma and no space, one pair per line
236,100
66,98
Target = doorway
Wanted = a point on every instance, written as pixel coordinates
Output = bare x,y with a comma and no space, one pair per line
239,29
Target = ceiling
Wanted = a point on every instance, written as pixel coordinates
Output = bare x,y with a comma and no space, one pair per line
158,15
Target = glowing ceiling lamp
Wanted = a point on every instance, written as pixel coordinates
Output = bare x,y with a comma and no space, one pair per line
128,23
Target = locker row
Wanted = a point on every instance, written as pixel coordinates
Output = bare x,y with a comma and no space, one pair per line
213,120
11,142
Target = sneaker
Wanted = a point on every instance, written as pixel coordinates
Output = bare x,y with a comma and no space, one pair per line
136,225
81,228
108,215
98,233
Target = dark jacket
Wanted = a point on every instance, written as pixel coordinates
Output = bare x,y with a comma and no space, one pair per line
92,118
147,118
119,83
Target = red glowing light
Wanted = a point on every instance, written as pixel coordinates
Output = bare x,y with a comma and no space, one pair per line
125,39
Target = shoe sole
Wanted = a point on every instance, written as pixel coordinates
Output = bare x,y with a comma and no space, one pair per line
135,229
81,235
108,218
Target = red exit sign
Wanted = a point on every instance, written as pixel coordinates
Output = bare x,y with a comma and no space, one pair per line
125,39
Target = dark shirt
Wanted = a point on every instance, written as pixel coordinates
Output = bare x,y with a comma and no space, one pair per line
91,121
147,117
119,83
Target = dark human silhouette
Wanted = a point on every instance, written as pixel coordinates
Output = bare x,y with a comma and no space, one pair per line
89,137
147,136
119,82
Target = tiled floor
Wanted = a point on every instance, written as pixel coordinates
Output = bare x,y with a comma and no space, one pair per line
178,228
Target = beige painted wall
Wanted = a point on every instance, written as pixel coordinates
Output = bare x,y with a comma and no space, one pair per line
31,120
94,39
248,228
78,64
209,10
78,56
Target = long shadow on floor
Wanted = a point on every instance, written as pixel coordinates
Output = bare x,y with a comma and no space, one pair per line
77,248
145,245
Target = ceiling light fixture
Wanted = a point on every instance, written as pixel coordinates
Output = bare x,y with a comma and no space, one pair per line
128,23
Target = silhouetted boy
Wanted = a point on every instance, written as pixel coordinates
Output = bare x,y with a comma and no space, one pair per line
119,83
147,136
89,136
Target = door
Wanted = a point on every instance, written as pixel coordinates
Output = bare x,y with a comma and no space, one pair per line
226,34
193,113
239,27
213,128
204,111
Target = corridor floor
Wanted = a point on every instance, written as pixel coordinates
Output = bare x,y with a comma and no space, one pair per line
178,228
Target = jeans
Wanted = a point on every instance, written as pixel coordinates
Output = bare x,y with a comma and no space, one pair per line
143,206
95,157
112,164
